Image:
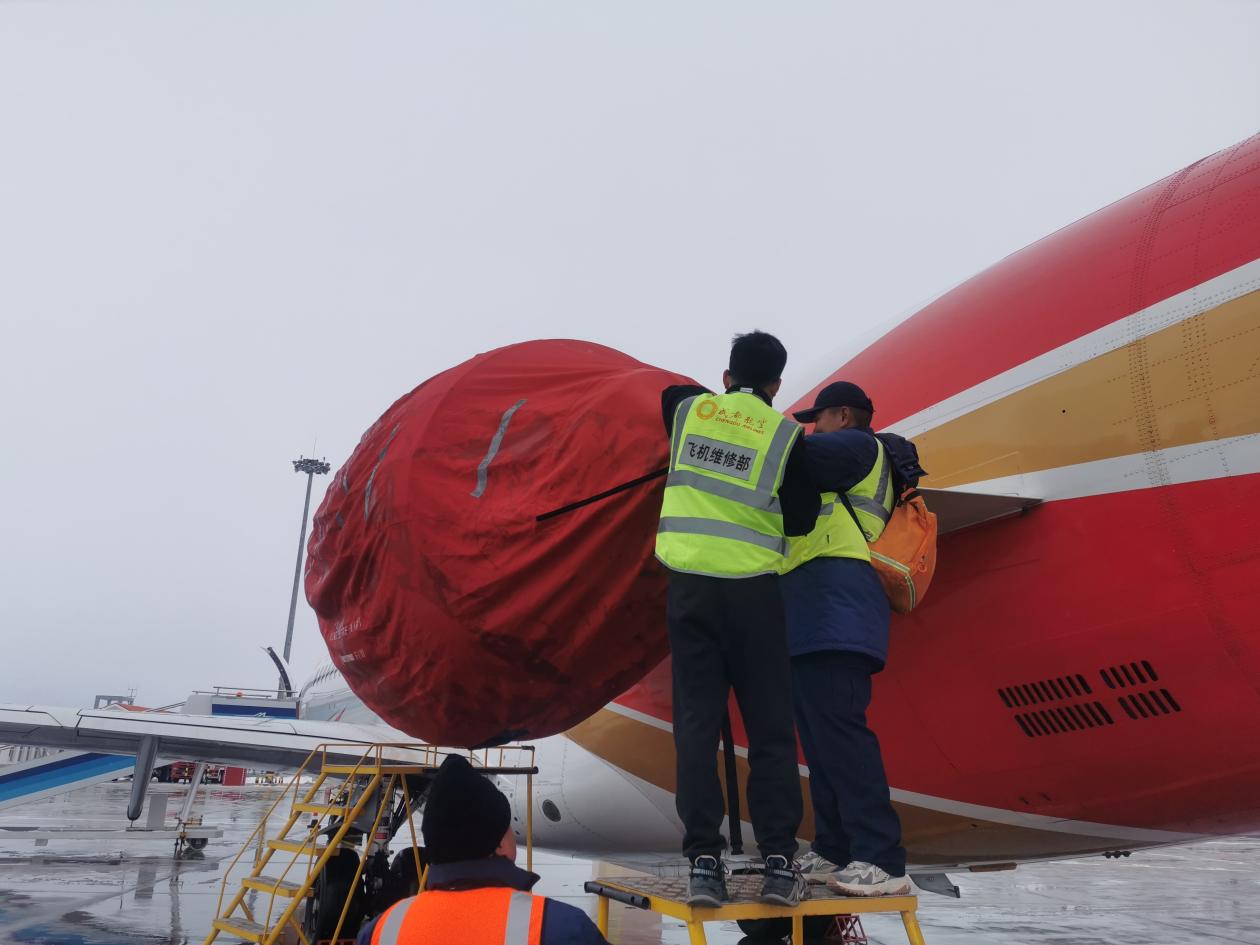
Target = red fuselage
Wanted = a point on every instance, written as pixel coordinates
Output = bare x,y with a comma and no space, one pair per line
1086,676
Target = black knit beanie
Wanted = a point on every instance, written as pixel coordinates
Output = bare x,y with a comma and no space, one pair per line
465,815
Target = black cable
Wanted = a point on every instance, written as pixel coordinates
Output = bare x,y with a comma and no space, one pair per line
655,474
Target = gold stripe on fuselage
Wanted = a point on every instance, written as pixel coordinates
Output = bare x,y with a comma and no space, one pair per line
1195,381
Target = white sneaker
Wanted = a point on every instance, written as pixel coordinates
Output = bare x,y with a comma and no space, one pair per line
866,879
816,868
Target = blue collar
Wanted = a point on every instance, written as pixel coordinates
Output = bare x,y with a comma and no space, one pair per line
473,874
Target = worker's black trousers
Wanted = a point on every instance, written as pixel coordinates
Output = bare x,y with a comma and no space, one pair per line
729,634
853,816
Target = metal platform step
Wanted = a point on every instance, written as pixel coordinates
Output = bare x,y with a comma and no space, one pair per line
274,887
334,809
294,846
385,769
241,928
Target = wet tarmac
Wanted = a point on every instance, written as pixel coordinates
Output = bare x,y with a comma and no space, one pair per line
125,891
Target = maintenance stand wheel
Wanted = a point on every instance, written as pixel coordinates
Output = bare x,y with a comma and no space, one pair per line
332,888
198,843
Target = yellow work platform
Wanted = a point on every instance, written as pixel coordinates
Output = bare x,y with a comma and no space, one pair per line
667,896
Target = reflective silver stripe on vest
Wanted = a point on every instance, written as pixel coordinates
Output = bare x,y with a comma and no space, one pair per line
715,529
519,912
876,505
881,490
681,412
870,507
772,465
391,925
754,498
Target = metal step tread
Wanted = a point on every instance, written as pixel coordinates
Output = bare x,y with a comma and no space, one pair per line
293,846
279,887
339,810
241,927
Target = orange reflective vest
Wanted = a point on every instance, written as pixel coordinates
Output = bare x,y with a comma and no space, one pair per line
488,916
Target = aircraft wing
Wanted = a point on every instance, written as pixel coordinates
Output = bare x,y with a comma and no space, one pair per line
247,741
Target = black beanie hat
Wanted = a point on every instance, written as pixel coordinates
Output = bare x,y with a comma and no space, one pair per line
465,815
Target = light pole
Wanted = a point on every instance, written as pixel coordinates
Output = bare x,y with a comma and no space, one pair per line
312,468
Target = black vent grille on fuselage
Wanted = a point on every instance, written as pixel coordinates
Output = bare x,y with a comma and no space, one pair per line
1059,720
1149,704
1046,690
1057,705
1127,675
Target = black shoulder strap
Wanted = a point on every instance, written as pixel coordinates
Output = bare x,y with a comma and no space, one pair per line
844,497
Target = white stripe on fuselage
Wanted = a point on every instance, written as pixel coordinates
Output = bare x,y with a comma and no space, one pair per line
1193,462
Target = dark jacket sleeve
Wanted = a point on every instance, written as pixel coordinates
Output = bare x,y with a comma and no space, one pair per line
798,495
365,934
564,924
839,461
671,397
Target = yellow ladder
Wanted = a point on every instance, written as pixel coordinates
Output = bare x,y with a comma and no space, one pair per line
368,781
380,772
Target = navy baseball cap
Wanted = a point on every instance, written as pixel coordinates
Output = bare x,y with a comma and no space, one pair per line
839,394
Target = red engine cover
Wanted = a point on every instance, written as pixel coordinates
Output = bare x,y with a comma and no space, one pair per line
455,613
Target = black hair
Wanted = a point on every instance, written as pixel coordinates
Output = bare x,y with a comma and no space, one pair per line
861,415
757,359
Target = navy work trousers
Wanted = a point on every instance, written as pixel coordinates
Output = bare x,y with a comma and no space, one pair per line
728,633
853,815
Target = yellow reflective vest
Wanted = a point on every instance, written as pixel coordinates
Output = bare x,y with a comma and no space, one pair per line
835,534
721,515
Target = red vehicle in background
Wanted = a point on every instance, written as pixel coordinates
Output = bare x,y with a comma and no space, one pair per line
181,772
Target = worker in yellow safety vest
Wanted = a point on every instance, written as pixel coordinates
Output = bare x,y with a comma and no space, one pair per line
837,631
737,489
474,893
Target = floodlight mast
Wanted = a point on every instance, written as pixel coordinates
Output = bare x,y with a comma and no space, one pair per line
312,468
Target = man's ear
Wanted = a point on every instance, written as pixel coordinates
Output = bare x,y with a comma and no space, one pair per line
726,380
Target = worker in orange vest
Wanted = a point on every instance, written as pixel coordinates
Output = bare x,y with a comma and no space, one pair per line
475,894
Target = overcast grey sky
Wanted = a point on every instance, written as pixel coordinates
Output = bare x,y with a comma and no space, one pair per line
231,232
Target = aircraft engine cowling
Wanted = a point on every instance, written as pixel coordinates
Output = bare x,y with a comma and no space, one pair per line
469,582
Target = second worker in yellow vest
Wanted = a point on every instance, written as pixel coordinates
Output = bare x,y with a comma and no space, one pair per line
737,489
837,630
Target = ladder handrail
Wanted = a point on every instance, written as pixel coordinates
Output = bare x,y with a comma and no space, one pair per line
313,867
383,768
380,811
261,826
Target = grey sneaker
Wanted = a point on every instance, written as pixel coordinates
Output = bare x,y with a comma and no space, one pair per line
783,885
706,885
816,868
866,879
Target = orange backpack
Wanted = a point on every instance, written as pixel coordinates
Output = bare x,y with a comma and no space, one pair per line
904,556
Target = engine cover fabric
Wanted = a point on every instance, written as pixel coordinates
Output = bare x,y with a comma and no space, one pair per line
453,611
